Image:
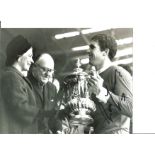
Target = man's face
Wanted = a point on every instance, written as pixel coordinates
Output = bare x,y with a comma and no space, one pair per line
44,72
26,60
95,54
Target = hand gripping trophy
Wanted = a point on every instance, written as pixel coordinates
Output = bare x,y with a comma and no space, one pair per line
77,100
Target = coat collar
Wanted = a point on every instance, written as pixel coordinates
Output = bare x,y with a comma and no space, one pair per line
38,88
13,69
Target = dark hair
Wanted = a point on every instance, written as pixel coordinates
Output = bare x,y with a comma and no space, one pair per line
16,47
106,41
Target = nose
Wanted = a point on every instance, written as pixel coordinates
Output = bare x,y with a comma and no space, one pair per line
48,73
31,60
90,54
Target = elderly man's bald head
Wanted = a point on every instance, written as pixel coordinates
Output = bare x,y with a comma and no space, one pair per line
45,60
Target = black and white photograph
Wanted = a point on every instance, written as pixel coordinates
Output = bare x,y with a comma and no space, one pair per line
77,77
66,81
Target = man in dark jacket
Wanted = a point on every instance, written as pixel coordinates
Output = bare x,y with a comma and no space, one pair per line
19,110
41,77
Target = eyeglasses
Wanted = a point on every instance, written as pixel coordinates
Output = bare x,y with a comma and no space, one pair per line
45,69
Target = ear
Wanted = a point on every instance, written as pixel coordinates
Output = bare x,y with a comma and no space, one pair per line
105,52
19,59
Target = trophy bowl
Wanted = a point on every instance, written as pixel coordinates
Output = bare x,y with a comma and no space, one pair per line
81,110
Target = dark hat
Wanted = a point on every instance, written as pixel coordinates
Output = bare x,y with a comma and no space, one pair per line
18,46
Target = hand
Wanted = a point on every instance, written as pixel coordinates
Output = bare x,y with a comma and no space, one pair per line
60,132
95,84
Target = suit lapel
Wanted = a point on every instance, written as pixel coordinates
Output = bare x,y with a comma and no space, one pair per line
45,95
29,83
39,92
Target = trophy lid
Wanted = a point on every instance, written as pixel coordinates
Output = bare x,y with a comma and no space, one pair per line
77,70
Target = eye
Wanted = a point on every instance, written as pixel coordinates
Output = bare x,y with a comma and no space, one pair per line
91,46
30,55
44,69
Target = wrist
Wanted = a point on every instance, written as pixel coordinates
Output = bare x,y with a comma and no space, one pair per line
103,95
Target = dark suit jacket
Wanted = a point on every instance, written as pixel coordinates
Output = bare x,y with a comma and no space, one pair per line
18,106
46,97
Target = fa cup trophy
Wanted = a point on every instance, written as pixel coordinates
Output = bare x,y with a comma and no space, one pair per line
77,100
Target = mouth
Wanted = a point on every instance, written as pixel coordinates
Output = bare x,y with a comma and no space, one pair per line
91,57
45,78
29,64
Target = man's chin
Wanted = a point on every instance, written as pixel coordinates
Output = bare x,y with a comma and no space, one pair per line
44,81
91,63
25,73
27,67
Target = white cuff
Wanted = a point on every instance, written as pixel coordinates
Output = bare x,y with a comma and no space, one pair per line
103,96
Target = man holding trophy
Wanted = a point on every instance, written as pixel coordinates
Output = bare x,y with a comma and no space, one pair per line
111,87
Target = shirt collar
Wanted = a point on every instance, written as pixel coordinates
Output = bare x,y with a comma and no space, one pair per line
103,69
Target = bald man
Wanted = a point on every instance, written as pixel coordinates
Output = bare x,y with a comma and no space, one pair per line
40,76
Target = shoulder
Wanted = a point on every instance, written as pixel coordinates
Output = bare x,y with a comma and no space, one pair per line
117,75
8,72
114,68
119,71
10,76
121,77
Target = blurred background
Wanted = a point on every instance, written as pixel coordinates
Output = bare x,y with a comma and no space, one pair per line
68,44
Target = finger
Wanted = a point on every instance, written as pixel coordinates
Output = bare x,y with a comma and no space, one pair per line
93,78
99,77
91,82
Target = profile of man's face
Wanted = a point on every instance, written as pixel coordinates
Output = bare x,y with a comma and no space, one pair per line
95,54
26,60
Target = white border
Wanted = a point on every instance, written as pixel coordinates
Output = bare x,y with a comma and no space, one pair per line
138,15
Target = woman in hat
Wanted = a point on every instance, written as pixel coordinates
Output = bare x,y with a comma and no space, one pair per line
19,105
